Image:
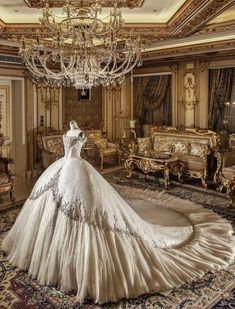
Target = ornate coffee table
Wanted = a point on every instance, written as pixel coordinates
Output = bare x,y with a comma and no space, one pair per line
147,162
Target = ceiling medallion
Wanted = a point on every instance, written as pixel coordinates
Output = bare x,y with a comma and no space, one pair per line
80,48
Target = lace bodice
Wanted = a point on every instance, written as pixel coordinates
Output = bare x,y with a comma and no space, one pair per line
73,146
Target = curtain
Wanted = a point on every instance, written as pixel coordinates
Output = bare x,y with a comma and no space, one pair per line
220,88
152,100
229,113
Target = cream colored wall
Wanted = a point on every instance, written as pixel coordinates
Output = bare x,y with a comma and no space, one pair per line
15,146
117,110
26,109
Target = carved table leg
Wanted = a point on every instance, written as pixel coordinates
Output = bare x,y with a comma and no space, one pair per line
166,176
230,194
129,167
203,180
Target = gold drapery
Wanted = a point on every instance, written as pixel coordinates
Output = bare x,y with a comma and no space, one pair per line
152,99
220,87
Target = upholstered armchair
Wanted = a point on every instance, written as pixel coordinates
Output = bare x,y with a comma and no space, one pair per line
51,146
225,173
6,177
106,152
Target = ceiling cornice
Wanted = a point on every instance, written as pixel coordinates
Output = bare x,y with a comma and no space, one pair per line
105,3
217,27
188,20
195,14
197,49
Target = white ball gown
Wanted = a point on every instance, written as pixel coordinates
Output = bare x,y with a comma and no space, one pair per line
77,233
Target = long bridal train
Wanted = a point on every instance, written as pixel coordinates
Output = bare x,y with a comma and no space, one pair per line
77,233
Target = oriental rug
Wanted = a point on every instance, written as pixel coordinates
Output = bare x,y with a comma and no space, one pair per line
215,290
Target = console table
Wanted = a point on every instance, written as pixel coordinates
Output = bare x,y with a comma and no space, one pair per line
147,163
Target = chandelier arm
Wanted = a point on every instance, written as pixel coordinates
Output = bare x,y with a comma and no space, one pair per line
107,63
121,66
32,69
31,64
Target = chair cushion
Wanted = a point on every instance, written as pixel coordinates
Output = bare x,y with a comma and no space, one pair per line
229,158
229,172
54,143
161,145
3,179
93,134
192,163
198,149
109,150
144,143
181,147
102,143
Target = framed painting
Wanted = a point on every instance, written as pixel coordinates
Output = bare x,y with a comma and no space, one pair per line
84,95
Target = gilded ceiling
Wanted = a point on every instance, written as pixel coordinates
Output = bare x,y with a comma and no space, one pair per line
163,24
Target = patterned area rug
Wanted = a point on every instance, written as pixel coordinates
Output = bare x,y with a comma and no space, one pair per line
215,290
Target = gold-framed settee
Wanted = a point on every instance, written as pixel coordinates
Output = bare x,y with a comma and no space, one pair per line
192,146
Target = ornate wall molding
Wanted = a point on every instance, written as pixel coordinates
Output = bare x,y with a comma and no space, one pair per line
106,3
204,65
174,68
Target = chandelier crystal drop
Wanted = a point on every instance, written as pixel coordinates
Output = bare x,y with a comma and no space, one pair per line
80,48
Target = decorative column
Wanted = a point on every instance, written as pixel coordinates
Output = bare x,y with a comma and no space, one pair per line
189,100
175,95
204,95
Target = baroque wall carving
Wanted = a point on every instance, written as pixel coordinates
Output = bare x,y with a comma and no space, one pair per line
88,113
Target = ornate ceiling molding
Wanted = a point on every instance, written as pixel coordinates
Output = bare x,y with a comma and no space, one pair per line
187,21
204,49
105,3
217,27
195,14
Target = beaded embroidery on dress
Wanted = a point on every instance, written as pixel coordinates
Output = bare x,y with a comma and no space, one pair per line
83,236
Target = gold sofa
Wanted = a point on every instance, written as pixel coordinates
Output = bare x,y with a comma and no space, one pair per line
6,177
104,151
191,146
225,173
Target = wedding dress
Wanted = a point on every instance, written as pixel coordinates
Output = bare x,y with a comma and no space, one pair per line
77,233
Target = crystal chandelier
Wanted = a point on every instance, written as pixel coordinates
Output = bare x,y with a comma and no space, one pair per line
81,49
